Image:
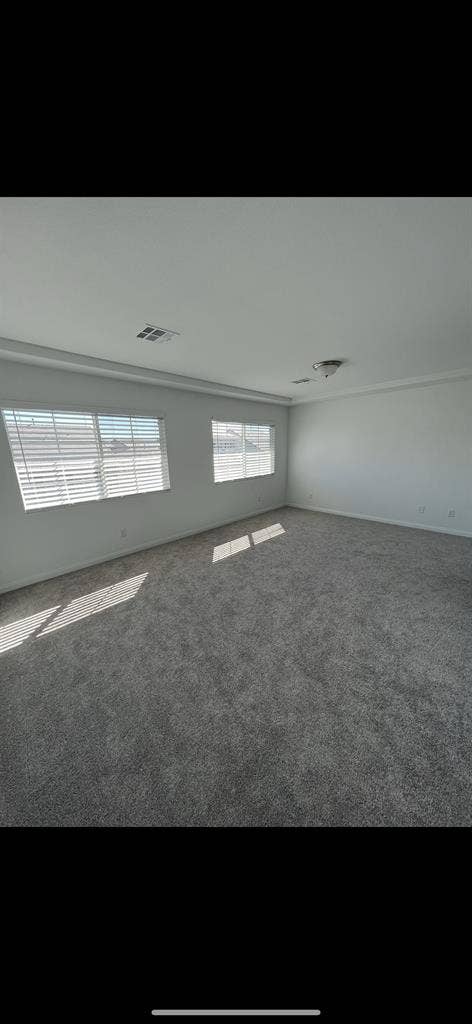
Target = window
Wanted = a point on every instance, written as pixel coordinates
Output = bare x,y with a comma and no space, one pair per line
242,450
62,458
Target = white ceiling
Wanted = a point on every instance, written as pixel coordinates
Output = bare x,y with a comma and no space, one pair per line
259,288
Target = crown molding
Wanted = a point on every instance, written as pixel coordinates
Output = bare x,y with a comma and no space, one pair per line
390,385
40,355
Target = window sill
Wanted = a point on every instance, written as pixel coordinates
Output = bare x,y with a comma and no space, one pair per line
243,479
92,501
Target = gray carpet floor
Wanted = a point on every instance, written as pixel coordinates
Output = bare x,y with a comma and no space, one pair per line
318,672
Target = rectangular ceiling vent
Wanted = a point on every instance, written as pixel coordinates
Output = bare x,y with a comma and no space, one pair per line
303,380
157,334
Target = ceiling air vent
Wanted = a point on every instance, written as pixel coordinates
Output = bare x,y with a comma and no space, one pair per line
157,334
303,380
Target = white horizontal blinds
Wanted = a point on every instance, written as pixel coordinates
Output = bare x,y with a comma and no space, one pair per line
228,451
242,450
259,449
54,455
134,454
62,458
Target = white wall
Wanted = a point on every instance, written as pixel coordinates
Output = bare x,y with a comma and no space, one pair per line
40,544
381,455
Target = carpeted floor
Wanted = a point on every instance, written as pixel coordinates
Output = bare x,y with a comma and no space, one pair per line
313,673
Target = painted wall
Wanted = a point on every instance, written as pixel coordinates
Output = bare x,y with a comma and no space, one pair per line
40,544
382,455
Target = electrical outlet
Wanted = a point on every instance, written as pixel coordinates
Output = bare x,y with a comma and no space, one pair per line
124,533
259,499
451,513
310,496
421,508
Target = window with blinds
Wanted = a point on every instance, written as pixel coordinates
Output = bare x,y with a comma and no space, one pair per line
242,450
62,458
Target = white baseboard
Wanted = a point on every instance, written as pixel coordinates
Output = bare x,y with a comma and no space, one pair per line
379,519
63,570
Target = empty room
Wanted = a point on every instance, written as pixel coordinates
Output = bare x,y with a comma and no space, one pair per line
235,512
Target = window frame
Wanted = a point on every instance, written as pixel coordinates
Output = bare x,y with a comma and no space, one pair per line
244,423
102,409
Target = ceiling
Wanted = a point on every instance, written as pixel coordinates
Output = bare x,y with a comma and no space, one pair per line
259,288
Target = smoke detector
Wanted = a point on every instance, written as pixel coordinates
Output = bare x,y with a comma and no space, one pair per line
327,367
157,334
